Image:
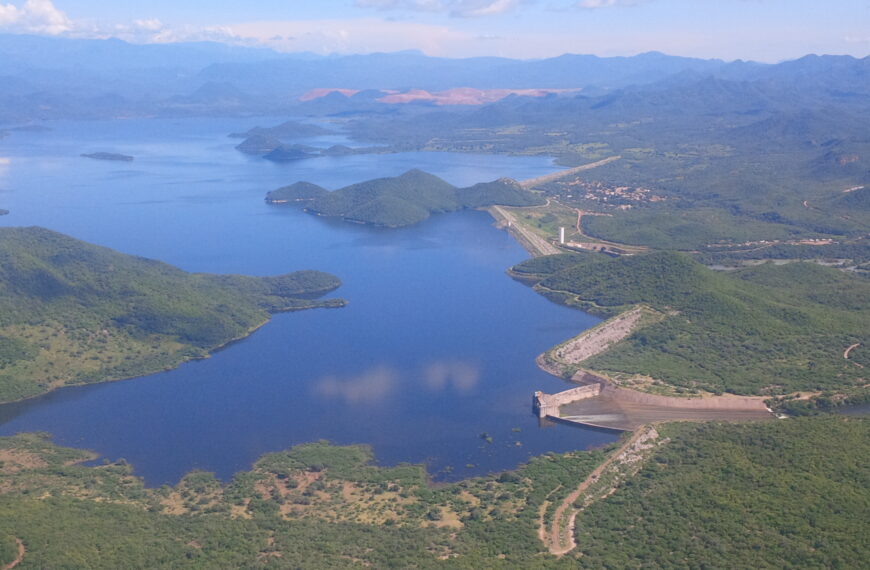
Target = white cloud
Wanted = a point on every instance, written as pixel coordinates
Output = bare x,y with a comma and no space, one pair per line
592,4
413,5
457,8
363,35
35,17
150,25
42,17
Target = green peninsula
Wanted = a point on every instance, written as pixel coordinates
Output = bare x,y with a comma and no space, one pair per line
767,329
402,200
75,313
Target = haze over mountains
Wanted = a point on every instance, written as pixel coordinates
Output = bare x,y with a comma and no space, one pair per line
48,78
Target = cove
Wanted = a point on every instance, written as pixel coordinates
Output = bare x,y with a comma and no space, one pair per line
436,347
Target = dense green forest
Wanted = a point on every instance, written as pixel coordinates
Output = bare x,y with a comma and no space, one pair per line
72,312
402,200
791,492
786,494
766,329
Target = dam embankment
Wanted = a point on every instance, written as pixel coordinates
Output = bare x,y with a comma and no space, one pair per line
599,403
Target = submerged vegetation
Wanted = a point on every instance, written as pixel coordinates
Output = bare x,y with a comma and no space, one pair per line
403,200
73,313
767,329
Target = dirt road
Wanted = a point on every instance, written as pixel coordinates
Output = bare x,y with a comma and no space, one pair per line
561,536
21,552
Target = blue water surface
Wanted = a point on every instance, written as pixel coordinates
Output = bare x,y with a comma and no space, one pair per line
435,348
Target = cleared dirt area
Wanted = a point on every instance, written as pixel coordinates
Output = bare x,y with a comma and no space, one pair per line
14,460
611,411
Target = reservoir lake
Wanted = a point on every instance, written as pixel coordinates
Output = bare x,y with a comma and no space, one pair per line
435,348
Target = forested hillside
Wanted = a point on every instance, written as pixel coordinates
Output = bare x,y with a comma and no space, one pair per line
402,200
72,312
767,329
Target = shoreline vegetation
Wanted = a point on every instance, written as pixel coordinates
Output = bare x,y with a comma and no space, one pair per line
583,507
73,313
556,510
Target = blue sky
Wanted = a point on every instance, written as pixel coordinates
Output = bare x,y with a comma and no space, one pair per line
764,30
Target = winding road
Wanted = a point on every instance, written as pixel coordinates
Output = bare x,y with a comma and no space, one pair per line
21,552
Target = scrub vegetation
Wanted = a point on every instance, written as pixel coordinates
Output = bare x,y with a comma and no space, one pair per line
719,494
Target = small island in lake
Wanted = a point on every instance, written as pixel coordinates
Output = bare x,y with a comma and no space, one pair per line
76,313
402,200
109,156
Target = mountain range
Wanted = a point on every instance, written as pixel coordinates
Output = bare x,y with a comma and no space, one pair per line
49,78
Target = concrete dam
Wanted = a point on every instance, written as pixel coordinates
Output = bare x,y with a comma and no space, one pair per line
598,403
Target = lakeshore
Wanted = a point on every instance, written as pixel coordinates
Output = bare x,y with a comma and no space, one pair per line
404,376
598,401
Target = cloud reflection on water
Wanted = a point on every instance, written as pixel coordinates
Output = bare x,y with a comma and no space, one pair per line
369,387
461,376
376,384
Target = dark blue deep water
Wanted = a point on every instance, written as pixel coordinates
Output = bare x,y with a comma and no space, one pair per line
436,346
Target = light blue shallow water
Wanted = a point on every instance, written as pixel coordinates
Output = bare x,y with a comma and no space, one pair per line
436,346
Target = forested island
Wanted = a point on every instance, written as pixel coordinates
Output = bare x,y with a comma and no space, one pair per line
402,200
75,313
109,156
